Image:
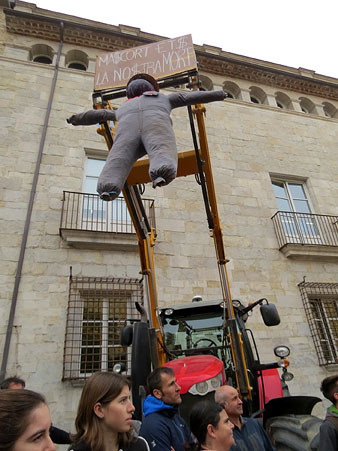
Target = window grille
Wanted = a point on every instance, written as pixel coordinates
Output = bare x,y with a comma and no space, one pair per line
97,310
321,306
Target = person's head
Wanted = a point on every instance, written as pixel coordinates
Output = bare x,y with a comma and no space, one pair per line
228,397
104,409
211,426
12,383
162,384
24,421
140,83
329,388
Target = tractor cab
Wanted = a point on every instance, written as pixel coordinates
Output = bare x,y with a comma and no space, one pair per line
195,328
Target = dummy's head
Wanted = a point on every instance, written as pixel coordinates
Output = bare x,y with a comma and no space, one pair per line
140,83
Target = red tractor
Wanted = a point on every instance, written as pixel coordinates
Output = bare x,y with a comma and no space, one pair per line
206,343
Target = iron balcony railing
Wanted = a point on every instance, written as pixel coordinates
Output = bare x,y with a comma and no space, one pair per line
305,228
84,211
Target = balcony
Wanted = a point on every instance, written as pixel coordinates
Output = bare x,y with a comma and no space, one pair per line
89,222
306,235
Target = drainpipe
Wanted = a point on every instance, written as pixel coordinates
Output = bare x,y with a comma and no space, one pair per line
29,215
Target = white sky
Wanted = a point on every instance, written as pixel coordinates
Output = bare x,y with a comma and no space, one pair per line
296,33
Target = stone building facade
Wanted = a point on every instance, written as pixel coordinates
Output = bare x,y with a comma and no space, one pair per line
273,146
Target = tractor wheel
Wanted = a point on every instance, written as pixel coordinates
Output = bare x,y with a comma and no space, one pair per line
294,432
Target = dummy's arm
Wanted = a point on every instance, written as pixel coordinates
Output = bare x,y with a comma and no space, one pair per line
192,98
92,117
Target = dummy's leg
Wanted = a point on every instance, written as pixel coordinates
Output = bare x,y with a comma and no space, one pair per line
160,145
125,151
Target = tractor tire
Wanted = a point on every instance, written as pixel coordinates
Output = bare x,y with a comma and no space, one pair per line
294,432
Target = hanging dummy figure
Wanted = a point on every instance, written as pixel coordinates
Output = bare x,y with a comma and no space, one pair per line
143,127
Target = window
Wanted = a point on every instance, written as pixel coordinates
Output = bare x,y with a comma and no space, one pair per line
77,66
112,216
228,94
42,59
76,59
206,83
257,95
41,53
330,110
307,105
283,101
298,222
84,214
93,171
232,90
321,306
97,310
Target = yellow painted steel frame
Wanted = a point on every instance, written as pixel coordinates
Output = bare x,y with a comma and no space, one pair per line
242,379
146,242
146,254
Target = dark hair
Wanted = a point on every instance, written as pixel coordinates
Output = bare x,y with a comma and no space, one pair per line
12,380
329,387
101,387
154,380
15,409
202,414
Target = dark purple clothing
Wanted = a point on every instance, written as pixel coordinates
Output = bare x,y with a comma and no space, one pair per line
251,437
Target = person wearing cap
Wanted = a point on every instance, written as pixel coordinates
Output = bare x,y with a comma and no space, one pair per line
144,127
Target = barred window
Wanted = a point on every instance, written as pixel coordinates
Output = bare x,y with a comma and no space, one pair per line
98,308
321,305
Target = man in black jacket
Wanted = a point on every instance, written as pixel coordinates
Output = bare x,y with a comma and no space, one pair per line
162,427
57,435
329,427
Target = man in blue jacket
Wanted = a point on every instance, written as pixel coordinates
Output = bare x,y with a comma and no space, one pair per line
162,427
248,433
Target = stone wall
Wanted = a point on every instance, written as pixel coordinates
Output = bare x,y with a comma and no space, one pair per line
248,142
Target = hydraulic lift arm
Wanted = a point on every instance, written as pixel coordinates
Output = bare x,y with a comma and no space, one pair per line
195,162
209,196
146,239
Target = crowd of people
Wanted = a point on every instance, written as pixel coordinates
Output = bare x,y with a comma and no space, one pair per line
104,420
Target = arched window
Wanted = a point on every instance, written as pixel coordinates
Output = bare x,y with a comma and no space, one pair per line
257,95
41,53
76,59
307,105
330,110
206,83
232,90
283,101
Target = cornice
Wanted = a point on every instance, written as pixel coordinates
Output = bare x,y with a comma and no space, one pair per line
80,34
270,77
213,60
